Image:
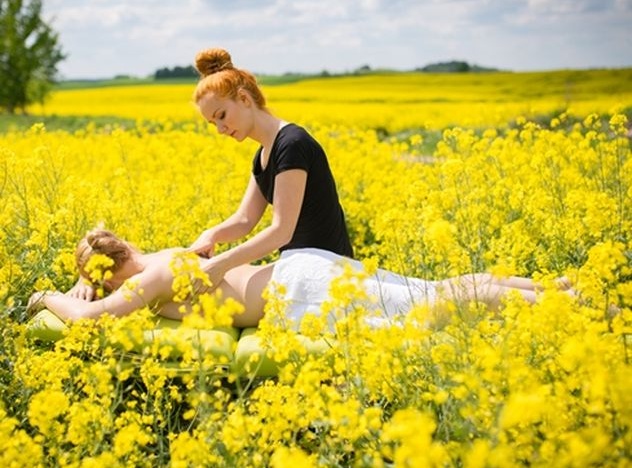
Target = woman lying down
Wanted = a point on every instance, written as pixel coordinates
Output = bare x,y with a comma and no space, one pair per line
145,279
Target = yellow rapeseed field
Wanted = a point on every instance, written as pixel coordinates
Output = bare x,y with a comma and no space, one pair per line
531,175
392,102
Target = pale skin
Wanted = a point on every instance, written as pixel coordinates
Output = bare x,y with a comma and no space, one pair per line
150,284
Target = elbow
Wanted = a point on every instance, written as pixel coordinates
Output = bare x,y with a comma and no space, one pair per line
283,235
247,224
286,239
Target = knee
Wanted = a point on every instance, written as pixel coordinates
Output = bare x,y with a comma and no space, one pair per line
484,278
466,287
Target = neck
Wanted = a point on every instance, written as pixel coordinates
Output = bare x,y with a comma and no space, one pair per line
134,265
266,128
137,262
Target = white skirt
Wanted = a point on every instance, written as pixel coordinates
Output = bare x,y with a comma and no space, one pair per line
306,276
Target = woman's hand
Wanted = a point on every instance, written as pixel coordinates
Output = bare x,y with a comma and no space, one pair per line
215,272
36,301
204,246
81,290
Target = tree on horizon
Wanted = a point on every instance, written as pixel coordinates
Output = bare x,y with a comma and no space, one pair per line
29,54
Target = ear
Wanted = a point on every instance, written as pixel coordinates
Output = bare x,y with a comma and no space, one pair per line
244,97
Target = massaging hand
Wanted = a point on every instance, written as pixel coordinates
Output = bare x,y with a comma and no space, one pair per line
215,272
81,290
204,246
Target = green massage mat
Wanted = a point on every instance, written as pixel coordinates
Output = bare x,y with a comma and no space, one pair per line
240,350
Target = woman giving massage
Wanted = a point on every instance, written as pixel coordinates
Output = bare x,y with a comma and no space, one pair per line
145,279
290,171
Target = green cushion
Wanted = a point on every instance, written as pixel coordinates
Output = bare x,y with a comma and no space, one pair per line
243,352
219,342
252,359
46,326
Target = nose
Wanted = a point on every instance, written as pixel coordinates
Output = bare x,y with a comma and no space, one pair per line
221,128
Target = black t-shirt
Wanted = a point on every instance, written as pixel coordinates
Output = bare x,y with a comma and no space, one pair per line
321,222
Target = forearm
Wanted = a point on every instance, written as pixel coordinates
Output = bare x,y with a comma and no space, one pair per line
67,307
233,228
121,302
255,248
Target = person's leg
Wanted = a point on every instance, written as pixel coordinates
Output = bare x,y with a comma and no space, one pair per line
519,282
481,287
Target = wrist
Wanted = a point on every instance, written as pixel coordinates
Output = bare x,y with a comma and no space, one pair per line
48,294
223,261
37,301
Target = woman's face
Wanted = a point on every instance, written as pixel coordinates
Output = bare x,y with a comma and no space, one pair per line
230,116
115,282
125,271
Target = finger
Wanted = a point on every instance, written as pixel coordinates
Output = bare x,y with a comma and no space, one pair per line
205,250
202,252
79,292
197,245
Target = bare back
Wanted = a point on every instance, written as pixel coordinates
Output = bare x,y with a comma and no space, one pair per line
244,284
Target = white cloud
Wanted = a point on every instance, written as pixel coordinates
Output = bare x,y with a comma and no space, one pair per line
108,37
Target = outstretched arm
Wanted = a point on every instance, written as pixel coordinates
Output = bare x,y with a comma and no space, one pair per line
139,291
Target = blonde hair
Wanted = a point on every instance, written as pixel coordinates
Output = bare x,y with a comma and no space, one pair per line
219,76
101,241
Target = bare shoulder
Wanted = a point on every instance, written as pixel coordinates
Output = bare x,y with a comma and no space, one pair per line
161,264
165,255
164,265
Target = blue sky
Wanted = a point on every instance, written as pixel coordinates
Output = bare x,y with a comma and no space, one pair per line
104,38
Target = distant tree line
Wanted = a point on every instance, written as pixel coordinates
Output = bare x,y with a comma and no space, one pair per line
176,72
454,66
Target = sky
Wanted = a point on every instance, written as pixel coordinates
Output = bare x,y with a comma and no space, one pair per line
106,38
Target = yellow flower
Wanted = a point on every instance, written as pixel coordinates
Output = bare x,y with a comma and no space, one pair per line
129,438
16,447
98,268
292,456
410,431
45,407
